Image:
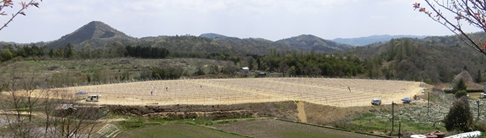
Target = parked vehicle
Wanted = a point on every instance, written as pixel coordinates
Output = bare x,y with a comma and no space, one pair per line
376,102
406,100
81,95
92,98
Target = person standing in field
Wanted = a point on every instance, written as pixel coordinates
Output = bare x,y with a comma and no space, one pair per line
151,92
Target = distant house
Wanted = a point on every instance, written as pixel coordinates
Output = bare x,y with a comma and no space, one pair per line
243,72
245,69
262,75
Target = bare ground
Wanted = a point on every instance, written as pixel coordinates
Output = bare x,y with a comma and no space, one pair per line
323,91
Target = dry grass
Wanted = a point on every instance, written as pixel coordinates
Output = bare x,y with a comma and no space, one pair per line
323,91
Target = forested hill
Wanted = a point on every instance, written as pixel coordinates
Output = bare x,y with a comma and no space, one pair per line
429,59
94,33
308,43
212,36
97,34
452,40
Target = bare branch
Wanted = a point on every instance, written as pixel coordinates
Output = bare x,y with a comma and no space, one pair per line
21,11
469,11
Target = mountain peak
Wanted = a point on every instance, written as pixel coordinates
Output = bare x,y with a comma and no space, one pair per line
306,35
94,30
212,35
309,42
97,22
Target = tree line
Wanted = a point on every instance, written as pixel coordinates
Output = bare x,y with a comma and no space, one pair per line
416,60
293,63
402,59
9,52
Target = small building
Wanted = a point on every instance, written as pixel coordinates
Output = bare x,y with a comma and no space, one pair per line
262,75
245,69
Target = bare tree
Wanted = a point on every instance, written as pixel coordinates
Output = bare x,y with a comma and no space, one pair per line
454,13
29,110
283,67
19,105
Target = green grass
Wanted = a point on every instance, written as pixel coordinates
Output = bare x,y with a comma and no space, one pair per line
176,130
369,122
139,127
475,95
229,128
270,128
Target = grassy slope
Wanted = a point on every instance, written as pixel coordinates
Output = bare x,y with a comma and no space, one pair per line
282,129
77,70
370,122
115,64
201,128
175,131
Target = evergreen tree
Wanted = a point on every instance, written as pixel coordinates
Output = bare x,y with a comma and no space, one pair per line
69,51
461,93
7,54
461,85
459,117
51,53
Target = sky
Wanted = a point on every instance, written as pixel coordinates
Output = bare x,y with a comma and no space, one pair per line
268,19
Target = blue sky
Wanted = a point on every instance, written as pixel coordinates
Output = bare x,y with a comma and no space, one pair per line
269,19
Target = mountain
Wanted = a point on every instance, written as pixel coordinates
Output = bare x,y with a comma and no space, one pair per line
245,46
212,35
434,59
216,43
98,34
95,33
361,41
308,43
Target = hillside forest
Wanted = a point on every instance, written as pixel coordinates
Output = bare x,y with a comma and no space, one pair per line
433,60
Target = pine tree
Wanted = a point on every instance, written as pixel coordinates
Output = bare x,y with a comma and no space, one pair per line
461,85
459,116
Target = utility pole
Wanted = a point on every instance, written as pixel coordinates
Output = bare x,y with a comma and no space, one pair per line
399,127
478,110
393,117
428,102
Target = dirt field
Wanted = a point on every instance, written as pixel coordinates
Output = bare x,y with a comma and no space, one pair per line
323,91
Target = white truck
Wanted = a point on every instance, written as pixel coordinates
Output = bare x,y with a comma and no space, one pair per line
92,98
376,101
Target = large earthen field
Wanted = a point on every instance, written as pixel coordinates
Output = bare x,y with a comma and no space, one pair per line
324,91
